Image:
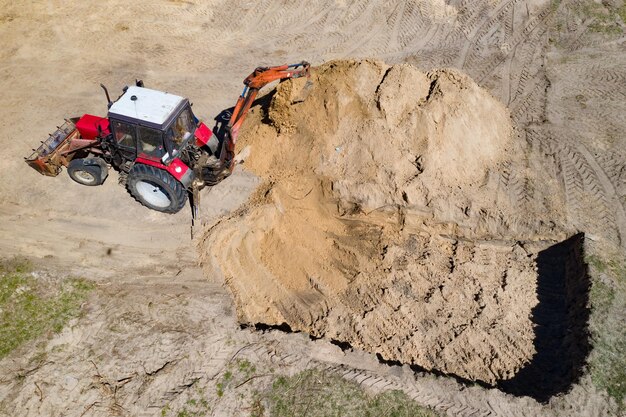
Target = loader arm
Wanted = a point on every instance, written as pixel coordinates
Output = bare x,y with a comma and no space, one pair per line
253,83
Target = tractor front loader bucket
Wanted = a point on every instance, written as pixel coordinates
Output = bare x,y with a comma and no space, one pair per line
49,157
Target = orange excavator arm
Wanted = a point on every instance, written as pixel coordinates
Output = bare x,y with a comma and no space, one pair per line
253,83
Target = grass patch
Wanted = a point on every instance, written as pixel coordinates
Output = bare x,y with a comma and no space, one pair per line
311,393
621,12
192,408
196,406
599,18
237,373
607,28
607,362
604,19
30,308
316,393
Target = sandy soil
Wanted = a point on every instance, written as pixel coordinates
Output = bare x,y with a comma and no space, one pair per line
561,81
372,227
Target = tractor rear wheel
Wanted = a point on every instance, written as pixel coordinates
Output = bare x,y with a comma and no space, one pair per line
87,171
156,189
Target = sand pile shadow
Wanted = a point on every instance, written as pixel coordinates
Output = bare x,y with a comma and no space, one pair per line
561,335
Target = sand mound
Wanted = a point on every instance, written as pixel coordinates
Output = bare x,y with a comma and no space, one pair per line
386,135
375,225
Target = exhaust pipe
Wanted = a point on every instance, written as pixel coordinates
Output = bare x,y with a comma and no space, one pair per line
106,92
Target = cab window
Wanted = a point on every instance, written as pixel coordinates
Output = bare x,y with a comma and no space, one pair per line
182,129
150,142
124,133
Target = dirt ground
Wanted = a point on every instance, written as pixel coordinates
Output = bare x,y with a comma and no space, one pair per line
161,328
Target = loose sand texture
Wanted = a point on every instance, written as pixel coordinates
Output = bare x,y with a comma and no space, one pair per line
377,226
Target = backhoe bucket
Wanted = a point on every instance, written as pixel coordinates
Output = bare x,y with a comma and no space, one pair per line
47,159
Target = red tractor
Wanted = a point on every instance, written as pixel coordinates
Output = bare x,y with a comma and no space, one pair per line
160,149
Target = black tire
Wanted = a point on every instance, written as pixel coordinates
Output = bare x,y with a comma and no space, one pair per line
87,171
156,189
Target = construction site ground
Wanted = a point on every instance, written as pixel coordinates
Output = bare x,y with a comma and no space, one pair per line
522,234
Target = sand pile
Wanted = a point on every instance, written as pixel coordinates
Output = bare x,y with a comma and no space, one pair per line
376,226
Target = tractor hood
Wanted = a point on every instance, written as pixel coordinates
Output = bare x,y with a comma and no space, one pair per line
203,134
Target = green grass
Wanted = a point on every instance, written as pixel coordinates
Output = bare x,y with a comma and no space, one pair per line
311,393
30,308
237,372
196,406
607,362
621,12
316,393
604,19
601,19
607,28
554,5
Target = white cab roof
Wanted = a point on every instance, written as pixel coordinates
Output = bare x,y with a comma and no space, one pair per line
150,105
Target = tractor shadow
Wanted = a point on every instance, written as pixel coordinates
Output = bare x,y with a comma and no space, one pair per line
562,341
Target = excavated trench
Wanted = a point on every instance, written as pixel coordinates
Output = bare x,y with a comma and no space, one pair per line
560,318
380,224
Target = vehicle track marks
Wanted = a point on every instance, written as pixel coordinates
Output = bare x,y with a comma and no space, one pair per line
530,27
587,187
607,192
371,380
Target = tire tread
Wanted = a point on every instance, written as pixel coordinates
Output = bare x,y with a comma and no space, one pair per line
141,171
93,169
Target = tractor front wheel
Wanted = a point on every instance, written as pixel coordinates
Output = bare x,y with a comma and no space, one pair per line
88,171
156,189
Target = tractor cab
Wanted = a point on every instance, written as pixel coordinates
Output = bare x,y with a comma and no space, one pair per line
151,125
